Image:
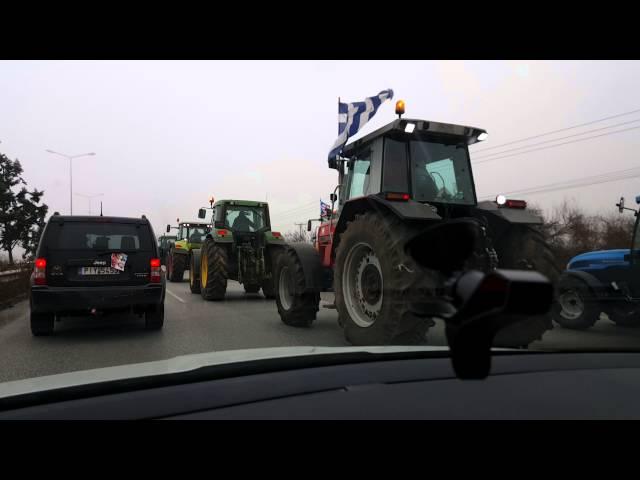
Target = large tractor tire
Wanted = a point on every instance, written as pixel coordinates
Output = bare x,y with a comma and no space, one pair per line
373,281
176,263
524,248
296,306
194,276
213,271
575,307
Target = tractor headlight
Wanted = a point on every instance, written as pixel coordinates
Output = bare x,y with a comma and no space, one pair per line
501,199
410,127
483,136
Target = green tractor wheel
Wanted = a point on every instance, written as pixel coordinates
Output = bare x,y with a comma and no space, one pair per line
175,266
213,271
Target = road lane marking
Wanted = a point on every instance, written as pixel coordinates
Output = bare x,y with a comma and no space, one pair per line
175,296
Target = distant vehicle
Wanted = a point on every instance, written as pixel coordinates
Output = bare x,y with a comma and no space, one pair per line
164,244
90,265
190,235
240,246
604,281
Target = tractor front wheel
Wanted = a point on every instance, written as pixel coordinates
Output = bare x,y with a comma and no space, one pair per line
213,271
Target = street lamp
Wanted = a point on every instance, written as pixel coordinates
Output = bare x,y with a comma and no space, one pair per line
90,197
71,157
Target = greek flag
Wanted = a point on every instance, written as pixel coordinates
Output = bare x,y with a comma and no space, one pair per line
325,208
353,116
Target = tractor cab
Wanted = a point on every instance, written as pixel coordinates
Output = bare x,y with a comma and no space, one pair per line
411,160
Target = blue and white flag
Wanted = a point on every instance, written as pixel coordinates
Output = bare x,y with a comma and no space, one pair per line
325,209
353,116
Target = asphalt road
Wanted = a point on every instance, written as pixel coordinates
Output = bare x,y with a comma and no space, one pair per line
193,325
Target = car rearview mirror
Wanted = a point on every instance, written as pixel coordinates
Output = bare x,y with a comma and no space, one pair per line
168,228
202,213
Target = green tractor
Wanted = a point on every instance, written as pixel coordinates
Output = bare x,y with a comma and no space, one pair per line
239,246
190,236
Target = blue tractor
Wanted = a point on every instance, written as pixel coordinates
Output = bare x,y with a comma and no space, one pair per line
604,281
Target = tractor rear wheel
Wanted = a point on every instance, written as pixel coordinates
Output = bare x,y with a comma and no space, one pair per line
374,279
296,306
194,276
524,248
175,266
213,271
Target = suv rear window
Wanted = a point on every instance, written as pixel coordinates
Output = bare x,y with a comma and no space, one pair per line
98,236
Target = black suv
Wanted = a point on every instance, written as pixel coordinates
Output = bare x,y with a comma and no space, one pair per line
94,265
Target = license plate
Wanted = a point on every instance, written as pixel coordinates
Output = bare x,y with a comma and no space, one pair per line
98,271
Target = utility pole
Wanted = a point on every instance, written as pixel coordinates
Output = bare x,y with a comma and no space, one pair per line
300,225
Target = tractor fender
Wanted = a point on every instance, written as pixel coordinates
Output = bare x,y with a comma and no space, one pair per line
406,210
510,215
311,263
220,238
597,288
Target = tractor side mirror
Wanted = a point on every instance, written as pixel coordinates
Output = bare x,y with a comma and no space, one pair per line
309,226
333,197
202,213
620,205
168,228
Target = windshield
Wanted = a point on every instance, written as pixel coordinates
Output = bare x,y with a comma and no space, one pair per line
331,220
88,236
441,173
245,219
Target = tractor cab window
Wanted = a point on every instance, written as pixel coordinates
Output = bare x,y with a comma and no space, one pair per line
441,173
245,219
198,234
359,177
183,232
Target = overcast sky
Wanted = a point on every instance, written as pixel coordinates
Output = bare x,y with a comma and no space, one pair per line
169,134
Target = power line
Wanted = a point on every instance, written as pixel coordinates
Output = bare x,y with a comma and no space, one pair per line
553,146
558,139
560,130
295,208
581,182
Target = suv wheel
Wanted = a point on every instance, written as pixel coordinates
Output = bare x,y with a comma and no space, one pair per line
154,317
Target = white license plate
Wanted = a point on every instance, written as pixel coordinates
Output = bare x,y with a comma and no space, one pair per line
98,271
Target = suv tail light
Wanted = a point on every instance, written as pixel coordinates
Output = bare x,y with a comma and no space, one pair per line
155,270
39,271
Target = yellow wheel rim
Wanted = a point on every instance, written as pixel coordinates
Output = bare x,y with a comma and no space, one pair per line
203,271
